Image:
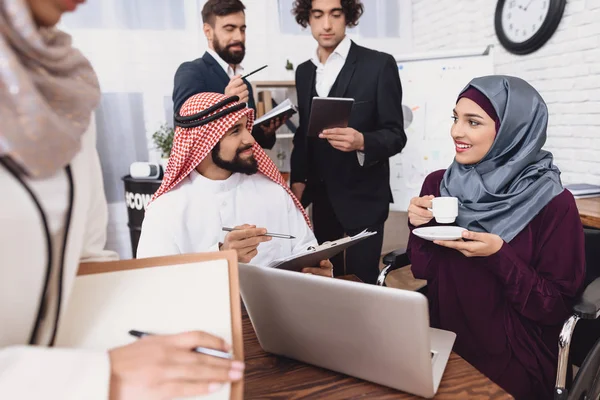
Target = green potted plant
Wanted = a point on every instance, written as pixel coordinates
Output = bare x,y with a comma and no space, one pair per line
163,140
289,70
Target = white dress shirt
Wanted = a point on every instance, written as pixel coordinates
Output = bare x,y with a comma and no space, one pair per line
328,72
239,70
190,218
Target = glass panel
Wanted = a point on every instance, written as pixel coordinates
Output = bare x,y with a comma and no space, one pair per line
90,15
381,18
129,14
367,25
287,21
392,18
168,106
151,14
121,139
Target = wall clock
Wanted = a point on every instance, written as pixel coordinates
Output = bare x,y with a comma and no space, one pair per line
523,26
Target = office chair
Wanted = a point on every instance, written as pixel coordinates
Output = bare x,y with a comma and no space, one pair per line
580,347
392,261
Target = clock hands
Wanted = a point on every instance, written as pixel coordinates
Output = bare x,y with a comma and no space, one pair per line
527,6
530,1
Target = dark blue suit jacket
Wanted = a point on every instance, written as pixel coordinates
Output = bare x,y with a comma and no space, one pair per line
206,75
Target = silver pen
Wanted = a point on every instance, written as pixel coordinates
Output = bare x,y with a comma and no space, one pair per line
202,350
275,235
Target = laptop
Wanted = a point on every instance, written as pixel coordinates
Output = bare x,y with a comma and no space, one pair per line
378,334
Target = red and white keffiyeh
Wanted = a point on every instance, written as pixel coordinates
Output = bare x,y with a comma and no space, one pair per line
192,145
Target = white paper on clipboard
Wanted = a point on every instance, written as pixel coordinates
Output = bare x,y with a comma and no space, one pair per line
313,255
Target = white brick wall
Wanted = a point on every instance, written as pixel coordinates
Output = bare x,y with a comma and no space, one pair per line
566,70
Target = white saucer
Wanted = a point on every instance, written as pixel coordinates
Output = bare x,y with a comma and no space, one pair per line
439,232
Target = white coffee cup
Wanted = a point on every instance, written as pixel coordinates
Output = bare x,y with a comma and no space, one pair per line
445,209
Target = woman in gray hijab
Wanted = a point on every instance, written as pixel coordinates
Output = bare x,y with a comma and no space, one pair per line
505,288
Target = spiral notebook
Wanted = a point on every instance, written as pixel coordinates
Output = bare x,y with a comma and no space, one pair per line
313,255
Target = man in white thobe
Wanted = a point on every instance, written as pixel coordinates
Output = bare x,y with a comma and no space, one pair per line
219,177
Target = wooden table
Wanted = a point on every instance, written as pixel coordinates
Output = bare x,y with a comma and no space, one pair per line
272,377
589,211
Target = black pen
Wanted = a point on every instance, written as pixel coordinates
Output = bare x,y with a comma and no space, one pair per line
275,235
255,71
202,350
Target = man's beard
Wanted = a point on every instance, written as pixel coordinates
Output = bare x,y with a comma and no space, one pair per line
226,54
248,166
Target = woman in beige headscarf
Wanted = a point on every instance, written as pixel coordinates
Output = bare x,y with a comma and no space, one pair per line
53,216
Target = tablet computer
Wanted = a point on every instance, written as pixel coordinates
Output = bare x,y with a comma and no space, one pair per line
327,113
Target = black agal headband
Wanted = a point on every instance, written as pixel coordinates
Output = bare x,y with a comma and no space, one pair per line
204,117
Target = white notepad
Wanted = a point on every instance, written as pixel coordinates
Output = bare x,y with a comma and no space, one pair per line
285,109
160,295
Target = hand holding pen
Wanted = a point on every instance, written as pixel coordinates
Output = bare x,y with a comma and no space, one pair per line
237,86
270,234
166,366
202,350
244,239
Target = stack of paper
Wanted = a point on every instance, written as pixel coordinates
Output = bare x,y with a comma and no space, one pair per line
582,190
313,255
286,108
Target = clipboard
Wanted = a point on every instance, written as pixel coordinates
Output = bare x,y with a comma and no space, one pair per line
165,295
313,255
327,113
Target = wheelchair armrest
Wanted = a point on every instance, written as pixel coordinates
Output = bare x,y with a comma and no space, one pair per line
393,261
398,258
588,306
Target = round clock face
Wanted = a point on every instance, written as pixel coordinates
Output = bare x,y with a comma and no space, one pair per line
521,20
523,26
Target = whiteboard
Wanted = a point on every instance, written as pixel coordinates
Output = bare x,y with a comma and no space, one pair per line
430,85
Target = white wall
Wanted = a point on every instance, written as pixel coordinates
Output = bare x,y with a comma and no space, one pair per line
566,70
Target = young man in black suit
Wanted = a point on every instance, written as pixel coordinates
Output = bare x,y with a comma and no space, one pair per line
219,69
345,172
